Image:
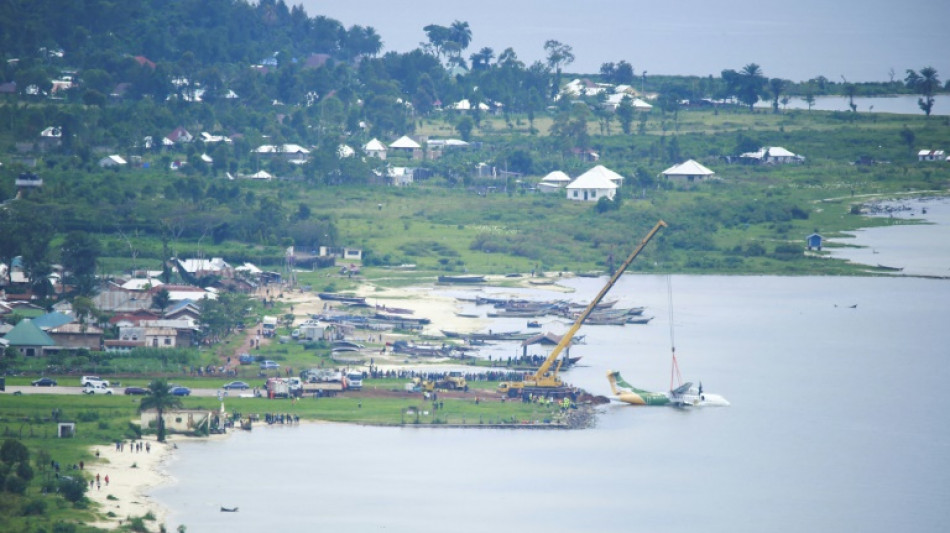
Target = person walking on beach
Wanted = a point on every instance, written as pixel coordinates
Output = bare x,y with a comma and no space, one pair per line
107,480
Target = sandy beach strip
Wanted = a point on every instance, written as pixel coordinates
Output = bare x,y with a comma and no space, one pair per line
131,474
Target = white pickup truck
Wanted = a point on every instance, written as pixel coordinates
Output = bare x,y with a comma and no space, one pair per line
96,387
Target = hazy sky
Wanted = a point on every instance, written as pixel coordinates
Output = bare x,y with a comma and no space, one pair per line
797,40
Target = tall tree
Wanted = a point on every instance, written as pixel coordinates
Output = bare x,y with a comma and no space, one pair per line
461,35
161,399
625,114
925,84
79,255
777,86
752,83
559,55
481,60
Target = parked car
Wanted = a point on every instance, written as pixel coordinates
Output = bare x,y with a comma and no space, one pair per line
44,382
179,391
267,365
236,385
245,358
96,388
136,391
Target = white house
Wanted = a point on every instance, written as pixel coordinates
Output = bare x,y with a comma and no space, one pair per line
260,175
554,181
772,155
591,187
406,146
112,161
688,172
374,148
465,105
601,170
400,176
293,153
343,151
930,155
614,101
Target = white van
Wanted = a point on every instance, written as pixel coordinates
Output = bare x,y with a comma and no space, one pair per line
86,380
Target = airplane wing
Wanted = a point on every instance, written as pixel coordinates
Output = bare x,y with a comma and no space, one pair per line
682,389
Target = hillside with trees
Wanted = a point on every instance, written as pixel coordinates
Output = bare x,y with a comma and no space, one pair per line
187,94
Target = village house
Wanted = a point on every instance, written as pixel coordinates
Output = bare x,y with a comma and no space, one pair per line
554,182
399,176
406,147
374,148
193,269
932,155
292,153
687,173
112,161
178,136
772,155
28,339
591,187
74,336
179,420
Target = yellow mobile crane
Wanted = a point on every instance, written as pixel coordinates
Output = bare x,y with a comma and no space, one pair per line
545,380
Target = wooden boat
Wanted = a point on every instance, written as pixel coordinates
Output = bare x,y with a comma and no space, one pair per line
490,336
394,310
462,279
639,319
399,319
340,297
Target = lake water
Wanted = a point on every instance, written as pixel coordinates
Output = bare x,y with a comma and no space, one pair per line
861,41
904,104
838,422
920,250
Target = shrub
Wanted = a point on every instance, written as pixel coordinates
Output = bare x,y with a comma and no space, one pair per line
33,507
73,489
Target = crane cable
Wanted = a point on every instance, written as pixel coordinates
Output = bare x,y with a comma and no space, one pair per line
675,376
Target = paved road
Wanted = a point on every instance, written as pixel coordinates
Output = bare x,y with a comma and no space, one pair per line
11,389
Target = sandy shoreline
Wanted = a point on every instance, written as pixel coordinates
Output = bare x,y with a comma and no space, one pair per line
132,476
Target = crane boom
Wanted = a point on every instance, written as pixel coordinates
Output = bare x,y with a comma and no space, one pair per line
566,339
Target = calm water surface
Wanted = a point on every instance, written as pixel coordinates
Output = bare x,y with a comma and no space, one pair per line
837,423
920,250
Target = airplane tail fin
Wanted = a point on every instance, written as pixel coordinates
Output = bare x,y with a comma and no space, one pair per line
612,379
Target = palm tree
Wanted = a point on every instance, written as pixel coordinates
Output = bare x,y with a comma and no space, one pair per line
482,59
461,34
752,82
925,84
160,399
